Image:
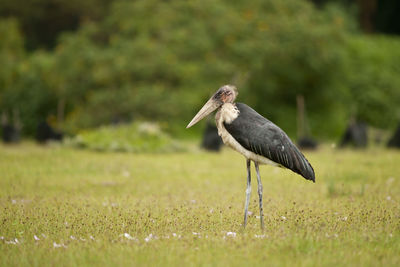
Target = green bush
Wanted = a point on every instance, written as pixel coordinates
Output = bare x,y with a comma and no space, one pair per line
135,137
372,76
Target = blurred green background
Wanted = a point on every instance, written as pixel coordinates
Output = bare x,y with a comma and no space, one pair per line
86,64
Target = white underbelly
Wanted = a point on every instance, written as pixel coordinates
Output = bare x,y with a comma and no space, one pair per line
228,139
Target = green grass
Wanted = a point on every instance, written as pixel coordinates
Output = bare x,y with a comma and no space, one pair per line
349,217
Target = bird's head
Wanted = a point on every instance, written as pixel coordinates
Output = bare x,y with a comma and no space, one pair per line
225,94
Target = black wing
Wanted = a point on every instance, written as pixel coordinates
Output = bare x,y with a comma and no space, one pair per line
261,136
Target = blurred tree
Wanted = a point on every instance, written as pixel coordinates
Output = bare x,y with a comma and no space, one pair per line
29,93
160,60
11,54
42,21
302,56
373,15
371,66
11,51
164,67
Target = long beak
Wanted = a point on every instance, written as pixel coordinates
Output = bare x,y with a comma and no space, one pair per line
209,107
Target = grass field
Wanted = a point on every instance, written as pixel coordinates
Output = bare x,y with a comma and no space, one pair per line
65,207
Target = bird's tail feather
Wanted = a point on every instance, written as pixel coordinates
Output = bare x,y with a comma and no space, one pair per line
306,170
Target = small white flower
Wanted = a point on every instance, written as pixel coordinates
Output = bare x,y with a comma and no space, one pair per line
194,233
174,234
249,213
257,217
193,201
44,235
82,239
72,237
336,235
149,237
2,237
128,236
211,210
61,245
388,198
13,201
344,218
232,234
91,237
260,236
283,218
36,238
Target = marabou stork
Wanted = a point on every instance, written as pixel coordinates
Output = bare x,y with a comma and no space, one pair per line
255,137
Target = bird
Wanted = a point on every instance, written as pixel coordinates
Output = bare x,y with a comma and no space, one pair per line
255,137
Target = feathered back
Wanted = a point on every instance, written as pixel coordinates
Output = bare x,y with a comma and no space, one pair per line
261,136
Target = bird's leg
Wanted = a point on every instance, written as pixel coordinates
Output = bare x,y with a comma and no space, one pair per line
248,191
260,195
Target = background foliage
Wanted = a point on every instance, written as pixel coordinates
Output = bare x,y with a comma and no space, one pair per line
136,137
160,60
